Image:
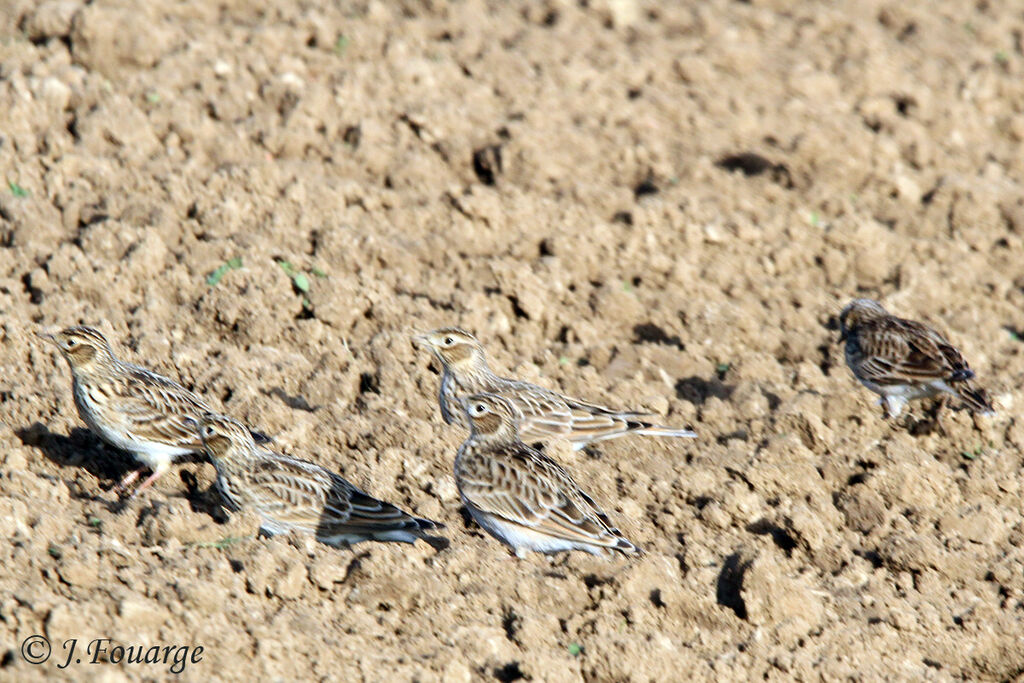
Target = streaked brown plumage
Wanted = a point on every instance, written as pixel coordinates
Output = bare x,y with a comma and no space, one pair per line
290,494
543,414
128,406
519,495
902,360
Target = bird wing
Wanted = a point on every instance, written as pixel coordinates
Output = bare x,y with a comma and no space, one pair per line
545,415
896,351
159,409
306,496
522,486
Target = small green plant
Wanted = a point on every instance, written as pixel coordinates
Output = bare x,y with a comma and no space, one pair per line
1002,57
563,360
153,97
815,219
231,264
95,522
17,190
971,455
219,545
722,368
341,44
299,279
626,286
54,552
575,649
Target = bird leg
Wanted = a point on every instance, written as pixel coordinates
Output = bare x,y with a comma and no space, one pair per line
149,480
126,482
940,404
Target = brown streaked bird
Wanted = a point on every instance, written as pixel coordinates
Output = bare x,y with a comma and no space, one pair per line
902,360
128,406
522,497
290,494
543,414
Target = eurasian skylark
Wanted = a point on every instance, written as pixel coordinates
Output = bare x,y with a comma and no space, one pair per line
543,414
128,406
295,495
519,495
902,360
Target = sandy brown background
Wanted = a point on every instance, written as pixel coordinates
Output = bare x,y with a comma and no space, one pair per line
618,252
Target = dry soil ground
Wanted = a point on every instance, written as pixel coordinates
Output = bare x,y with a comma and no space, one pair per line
662,204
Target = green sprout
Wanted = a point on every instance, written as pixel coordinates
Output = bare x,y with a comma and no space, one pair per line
54,551
815,219
318,272
971,455
300,280
95,522
17,190
563,360
1002,57
219,545
153,97
231,264
723,368
340,45
575,649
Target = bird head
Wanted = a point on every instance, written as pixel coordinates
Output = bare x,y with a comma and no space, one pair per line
84,348
454,348
858,312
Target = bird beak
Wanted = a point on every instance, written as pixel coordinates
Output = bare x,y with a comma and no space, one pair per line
47,337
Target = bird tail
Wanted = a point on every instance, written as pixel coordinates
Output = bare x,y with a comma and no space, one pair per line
975,398
645,429
436,542
626,547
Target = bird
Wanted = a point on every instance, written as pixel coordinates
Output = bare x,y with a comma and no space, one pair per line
130,407
543,415
289,494
519,495
902,360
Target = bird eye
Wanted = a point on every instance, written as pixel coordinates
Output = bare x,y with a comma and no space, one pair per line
448,341
72,342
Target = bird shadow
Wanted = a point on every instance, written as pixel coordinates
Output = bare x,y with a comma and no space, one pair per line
84,450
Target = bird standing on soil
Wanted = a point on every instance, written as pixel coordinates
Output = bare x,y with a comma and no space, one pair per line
295,495
520,496
902,360
130,407
543,415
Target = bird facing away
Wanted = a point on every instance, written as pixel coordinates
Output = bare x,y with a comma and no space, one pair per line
130,407
290,494
902,360
543,415
520,496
